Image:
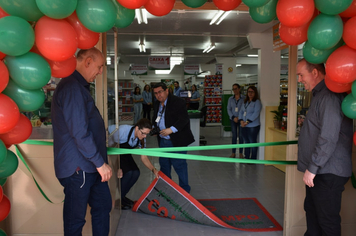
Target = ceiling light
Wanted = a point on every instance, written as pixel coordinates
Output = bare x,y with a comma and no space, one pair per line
252,55
209,48
141,15
237,65
142,47
108,61
219,16
162,72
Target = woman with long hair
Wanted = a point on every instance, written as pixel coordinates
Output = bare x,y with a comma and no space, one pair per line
137,99
128,136
249,118
147,101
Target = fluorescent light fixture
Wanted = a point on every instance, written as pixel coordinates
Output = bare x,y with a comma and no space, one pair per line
141,15
237,65
176,61
108,61
209,48
252,55
219,16
142,47
162,72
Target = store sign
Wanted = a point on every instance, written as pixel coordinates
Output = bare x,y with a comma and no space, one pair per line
159,63
138,70
191,69
219,69
278,44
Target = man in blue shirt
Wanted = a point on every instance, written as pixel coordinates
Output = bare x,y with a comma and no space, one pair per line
80,156
177,89
171,117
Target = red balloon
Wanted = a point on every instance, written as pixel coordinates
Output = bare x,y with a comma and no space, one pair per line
293,35
5,207
1,193
4,76
349,12
19,133
337,87
341,65
159,7
9,114
349,33
55,39
3,13
61,69
295,13
227,5
2,55
132,4
86,38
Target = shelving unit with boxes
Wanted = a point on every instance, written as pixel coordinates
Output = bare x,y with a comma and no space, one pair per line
212,95
126,110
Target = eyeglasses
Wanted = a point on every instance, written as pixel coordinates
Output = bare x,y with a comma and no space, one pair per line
159,92
145,134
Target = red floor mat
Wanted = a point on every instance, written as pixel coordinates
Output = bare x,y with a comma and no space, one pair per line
164,198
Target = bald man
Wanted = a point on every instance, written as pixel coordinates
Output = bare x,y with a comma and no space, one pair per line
80,157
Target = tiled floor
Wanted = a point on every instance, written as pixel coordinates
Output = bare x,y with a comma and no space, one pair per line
209,180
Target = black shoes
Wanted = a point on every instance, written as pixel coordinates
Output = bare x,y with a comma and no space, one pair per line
126,203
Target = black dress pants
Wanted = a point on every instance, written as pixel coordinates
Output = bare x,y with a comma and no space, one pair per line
322,205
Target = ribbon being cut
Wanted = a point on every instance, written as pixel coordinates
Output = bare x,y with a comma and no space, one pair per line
164,198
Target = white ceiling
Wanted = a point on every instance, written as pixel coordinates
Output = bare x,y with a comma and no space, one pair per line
186,32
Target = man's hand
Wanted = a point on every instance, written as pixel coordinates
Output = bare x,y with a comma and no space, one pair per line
119,173
166,132
308,178
236,119
105,172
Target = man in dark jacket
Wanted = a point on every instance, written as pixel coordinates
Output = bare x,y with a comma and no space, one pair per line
171,118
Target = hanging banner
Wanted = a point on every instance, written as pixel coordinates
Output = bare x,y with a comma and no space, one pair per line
159,63
191,69
278,44
219,69
138,69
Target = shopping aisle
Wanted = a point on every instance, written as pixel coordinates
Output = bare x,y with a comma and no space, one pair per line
209,180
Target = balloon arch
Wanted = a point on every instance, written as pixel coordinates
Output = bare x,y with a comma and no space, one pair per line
38,39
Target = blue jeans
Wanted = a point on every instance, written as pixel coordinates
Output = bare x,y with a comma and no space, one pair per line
128,180
179,165
82,189
249,135
235,133
137,110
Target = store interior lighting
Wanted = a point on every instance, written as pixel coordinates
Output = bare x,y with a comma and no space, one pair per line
141,15
142,47
209,48
108,61
252,55
219,16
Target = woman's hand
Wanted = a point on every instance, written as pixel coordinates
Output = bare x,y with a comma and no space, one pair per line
119,173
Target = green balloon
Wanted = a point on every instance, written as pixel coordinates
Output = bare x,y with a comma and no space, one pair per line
2,233
29,71
317,56
124,16
26,9
98,16
3,151
353,88
325,31
16,36
194,3
332,7
2,181
255,3
348,106
26,99
265,13
57,9
9,165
